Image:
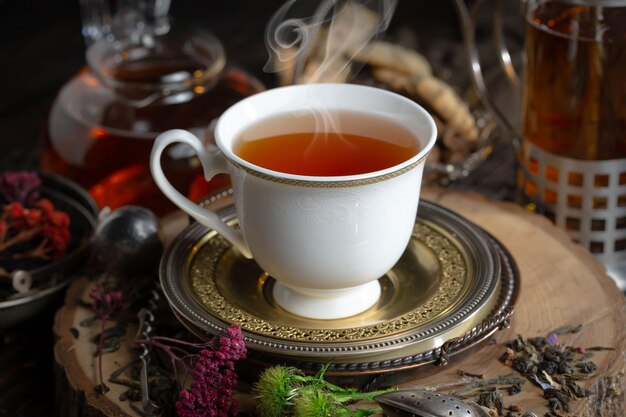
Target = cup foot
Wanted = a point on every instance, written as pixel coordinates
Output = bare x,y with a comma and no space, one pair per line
327,305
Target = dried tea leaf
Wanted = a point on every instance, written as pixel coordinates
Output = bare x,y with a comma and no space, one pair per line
492,399
587,367
544,386
568,329
551,381
88,322
102,388
548,367
571,388
557,400
515,389
110,344
74,332
118,331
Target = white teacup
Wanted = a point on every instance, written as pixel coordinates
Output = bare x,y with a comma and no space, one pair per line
325,239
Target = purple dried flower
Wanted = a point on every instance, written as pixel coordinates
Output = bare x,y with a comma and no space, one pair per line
20,186
552,339
106,303
211,393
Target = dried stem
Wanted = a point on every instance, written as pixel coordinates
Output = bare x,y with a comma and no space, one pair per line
176,354
22,236
41,251
102,388
461,372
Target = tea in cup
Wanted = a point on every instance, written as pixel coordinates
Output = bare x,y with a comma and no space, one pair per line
326,181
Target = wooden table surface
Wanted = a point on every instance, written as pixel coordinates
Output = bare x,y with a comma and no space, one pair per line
561,284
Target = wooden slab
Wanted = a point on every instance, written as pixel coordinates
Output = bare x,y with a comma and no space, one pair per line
561,284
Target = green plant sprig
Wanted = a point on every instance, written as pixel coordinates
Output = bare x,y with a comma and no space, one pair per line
287,391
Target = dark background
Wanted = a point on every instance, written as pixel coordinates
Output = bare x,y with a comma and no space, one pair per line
41,48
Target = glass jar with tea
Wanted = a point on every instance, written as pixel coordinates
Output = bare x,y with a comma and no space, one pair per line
572,152
145,75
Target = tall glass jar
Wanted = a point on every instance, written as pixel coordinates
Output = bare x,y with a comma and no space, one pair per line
572,152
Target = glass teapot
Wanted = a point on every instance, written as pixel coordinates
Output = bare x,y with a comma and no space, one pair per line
144,75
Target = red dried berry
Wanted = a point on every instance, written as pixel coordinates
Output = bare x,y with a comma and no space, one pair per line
59,219
32,217
45,205
14,211
35,230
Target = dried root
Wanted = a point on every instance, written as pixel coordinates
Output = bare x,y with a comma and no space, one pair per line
424,87
404,70
394,57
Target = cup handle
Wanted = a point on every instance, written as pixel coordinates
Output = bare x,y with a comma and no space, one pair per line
212,164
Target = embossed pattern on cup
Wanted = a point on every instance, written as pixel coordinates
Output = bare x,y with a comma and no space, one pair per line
325,240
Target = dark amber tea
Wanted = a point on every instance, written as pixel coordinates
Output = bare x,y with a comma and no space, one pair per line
335,144
104,144
575,82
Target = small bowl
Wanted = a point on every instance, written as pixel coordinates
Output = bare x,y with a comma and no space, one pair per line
48,280
14,311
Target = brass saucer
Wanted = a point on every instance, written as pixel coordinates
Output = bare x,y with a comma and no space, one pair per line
452,280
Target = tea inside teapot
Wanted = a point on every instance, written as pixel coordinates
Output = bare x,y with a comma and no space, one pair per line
145,75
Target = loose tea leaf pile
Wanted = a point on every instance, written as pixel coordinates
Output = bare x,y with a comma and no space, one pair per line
554,367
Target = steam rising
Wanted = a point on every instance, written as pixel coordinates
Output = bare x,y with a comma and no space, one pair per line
330,37
315,46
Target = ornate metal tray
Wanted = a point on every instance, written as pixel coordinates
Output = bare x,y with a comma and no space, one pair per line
453,287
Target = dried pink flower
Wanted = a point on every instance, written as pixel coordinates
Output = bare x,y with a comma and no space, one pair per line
211,393
106,303
20,186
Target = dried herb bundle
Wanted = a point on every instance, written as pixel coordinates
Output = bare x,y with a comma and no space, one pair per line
33,232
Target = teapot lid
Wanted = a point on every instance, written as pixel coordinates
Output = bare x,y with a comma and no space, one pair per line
175,65
136,50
